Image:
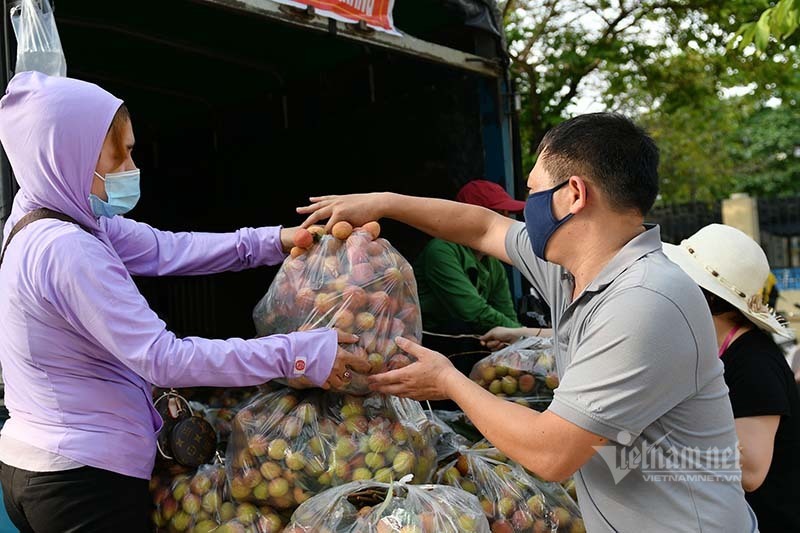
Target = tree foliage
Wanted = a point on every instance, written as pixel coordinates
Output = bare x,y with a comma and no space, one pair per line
779,21
666,64
556,45
767,155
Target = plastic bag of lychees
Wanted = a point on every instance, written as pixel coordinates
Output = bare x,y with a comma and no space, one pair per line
523,372
351,280
374,507
201,503
289,445
569,486
223,405
513,500
565,506
446,441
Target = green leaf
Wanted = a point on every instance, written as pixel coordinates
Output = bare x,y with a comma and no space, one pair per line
791,20
762,31
748,32
782,9
732,43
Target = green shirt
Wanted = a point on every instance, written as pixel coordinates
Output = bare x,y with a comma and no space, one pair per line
454,287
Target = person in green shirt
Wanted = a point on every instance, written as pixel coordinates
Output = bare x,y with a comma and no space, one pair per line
462,291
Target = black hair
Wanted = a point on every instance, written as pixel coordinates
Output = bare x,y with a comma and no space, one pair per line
607,149
719,306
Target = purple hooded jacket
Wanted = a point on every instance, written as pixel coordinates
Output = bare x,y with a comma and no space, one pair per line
79,346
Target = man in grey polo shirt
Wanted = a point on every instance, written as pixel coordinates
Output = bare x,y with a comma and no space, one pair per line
641,417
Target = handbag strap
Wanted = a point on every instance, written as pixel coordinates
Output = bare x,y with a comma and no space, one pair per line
33,216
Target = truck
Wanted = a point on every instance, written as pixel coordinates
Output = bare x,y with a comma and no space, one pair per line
242,109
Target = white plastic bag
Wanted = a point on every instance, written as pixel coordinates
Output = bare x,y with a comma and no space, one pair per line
375,507
38,44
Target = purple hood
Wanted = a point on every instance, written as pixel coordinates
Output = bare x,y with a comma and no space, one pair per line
53,130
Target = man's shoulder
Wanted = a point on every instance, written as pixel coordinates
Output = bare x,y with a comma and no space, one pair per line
654,273
517,241
667,296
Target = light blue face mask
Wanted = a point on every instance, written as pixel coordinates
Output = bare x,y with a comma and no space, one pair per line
122,189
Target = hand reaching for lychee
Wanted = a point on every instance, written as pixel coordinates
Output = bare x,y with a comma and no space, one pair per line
357,209
304,238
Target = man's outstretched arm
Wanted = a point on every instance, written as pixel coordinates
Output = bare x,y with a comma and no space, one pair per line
470,225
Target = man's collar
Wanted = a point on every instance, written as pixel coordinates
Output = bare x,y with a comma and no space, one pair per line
641,245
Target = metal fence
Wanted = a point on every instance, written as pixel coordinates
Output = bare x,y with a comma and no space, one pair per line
779,220
679,221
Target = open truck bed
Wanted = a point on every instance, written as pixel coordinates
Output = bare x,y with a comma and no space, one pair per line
243,108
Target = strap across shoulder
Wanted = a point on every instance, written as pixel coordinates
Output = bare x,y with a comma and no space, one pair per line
33,216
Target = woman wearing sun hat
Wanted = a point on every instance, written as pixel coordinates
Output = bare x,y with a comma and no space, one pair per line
731,269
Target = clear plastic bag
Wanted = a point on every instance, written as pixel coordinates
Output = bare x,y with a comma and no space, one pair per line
290,445
569,487
513,500
221,419
38,43
220,407
201,503
460,423
372,507
523,372
232,397
360,285
568,514
446,441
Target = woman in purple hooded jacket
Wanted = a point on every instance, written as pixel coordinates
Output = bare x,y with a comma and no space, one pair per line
79,346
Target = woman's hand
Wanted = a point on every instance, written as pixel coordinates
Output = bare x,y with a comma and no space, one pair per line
500,336
428,378
357,209
345,364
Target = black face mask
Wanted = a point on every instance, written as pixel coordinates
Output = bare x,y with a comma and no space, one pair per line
540,220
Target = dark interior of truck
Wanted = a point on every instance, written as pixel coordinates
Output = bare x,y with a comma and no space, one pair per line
238,119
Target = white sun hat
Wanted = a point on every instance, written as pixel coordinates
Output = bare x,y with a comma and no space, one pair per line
728,263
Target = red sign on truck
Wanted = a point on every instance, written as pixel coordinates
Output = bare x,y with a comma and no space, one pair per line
376,13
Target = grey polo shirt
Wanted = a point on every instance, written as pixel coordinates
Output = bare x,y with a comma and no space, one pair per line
637,359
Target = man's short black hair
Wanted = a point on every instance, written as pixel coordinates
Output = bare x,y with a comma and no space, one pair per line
609,150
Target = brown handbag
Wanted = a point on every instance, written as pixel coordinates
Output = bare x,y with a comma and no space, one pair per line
186,438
